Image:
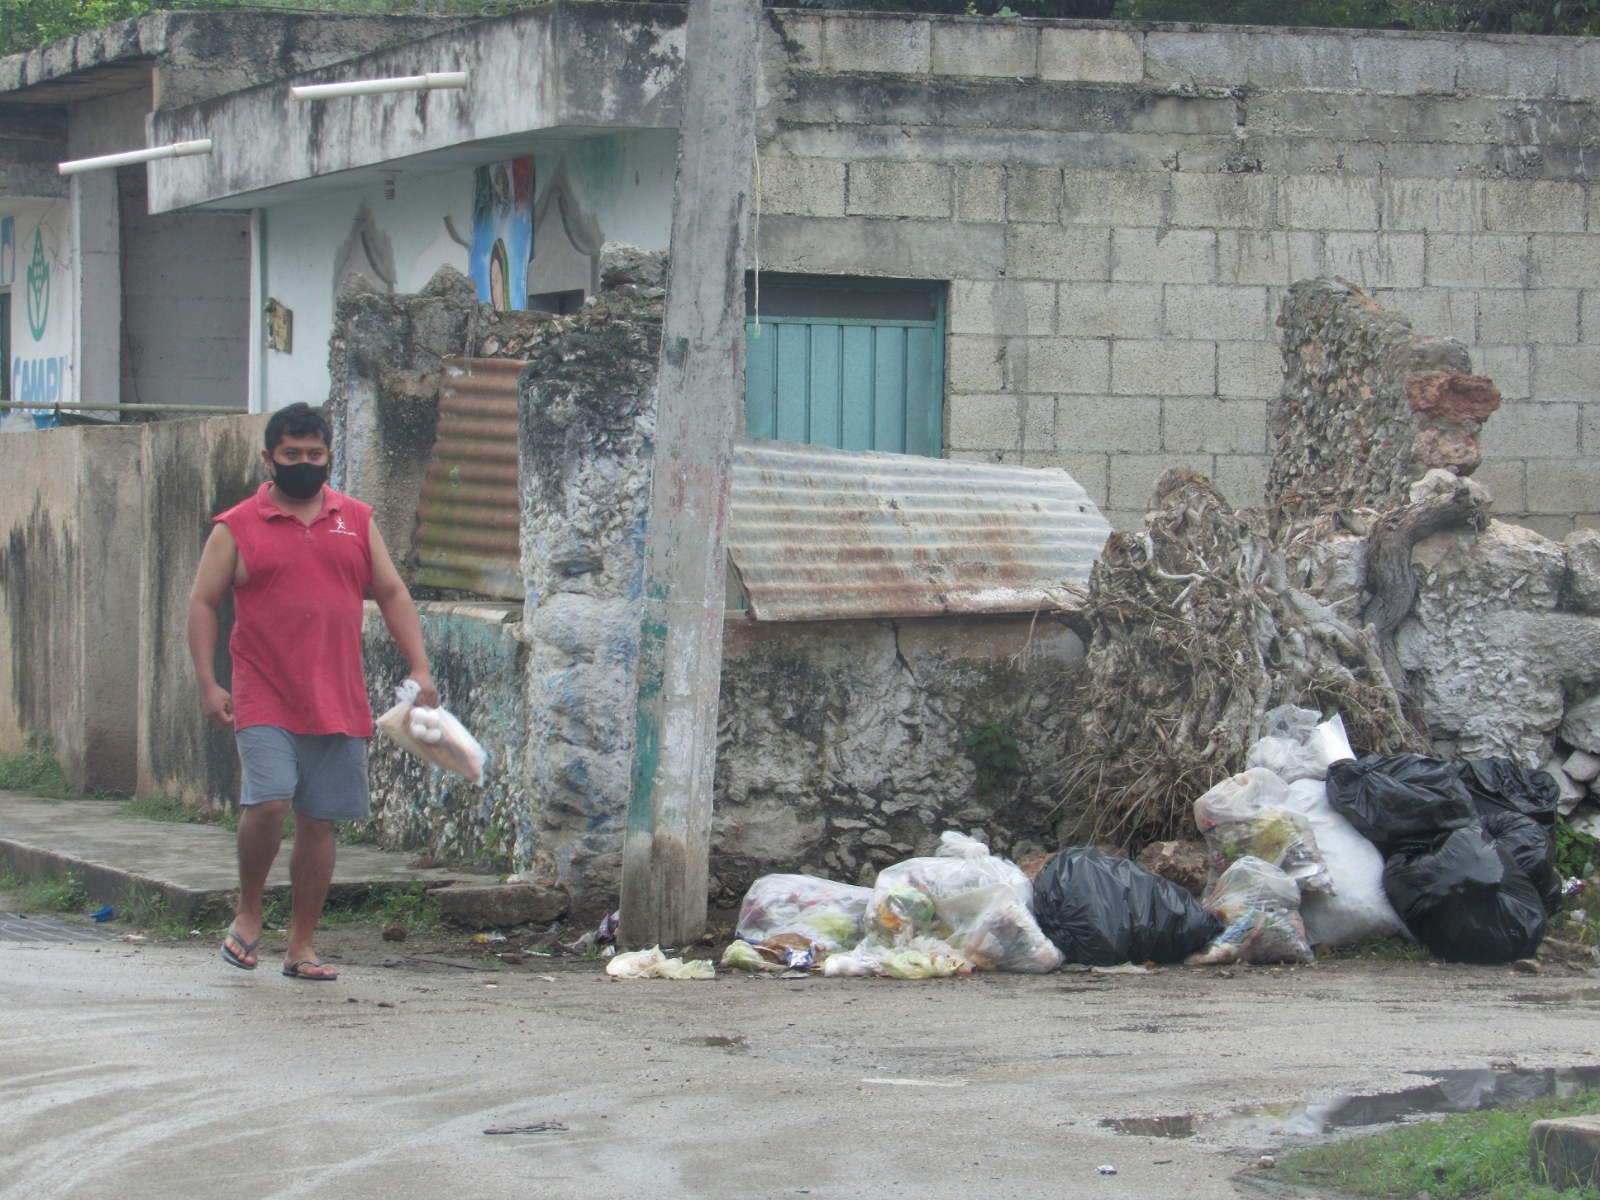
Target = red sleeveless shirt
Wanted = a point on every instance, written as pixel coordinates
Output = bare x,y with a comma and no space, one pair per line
296,640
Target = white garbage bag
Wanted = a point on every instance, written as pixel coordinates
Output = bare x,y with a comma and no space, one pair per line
433,734
1357,908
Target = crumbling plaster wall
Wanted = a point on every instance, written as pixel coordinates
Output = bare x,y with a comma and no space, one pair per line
1121,209
193,470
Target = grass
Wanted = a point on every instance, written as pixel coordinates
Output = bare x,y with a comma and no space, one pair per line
46,896
35,770
1380,950
1470,1156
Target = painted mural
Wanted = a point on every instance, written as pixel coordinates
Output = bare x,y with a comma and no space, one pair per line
502,231
35,265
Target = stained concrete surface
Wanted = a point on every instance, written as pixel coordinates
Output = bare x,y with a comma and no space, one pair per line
135,1071
192,866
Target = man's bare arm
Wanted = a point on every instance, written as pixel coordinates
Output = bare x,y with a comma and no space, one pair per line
218,563
400,615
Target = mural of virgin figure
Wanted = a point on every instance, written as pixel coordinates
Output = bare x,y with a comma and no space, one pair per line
502,231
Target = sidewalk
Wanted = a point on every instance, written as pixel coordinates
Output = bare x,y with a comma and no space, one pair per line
191,868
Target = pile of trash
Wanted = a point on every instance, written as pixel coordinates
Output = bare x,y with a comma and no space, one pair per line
960,911
1308,846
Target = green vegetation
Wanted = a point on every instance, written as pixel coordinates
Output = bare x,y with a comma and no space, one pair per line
164,808
1577,854
36,770
1472,1156
993,751
46,896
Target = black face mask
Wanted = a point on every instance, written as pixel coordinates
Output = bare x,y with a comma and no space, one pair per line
299,481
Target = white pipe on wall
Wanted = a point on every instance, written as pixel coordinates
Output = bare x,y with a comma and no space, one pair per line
432,81
129,157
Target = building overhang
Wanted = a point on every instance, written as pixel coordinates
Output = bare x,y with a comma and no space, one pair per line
562,70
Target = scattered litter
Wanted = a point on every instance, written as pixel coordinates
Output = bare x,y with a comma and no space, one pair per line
1108,1169
546,978
653,964
102,914
1102,910
743,956
607,931
1260,905
541,1127
433,734
1266,1161
918,958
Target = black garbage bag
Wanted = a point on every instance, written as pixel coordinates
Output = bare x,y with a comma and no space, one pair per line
1532,848
1103,910
1466,898
1403,801
1500,785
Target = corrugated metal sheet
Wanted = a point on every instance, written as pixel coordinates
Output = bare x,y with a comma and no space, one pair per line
467,536
819,534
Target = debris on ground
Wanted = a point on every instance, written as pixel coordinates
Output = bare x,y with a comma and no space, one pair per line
653,964
394,931
1259,905
1186,864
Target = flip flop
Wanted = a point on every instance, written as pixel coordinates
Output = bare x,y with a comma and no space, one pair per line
293,971
237,960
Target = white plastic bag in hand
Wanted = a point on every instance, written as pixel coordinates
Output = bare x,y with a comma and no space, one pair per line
433,734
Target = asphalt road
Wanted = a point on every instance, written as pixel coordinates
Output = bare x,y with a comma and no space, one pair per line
154,1071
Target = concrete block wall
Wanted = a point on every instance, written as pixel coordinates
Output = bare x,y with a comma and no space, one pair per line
1120,211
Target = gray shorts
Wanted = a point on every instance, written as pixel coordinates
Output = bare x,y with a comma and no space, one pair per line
325,775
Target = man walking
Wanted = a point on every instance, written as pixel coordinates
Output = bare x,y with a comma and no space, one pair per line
300,559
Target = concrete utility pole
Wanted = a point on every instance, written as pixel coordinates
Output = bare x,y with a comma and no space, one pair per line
668,844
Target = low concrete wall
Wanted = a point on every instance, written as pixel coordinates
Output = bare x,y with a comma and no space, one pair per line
194,470
69,598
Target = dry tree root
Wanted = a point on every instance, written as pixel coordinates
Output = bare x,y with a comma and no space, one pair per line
1197,632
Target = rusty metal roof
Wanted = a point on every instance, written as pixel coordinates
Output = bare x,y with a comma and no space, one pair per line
467,536
822,534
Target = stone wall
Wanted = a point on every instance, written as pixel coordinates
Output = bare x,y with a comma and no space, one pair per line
1367,406
69,587
480,666
1121,209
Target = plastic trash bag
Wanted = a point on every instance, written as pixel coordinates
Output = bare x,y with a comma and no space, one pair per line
823,910
906,895
1244,817
1500,785
433,734
1298,744
1401,801
1466,899
992,929
1259,907
1532,848
917,958
652,964
1101,910
971,900
1356,908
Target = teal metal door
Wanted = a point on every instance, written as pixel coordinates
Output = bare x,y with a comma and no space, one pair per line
854,366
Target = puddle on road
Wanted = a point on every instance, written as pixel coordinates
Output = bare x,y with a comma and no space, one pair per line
1450,1092
731,1045
1161,1127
